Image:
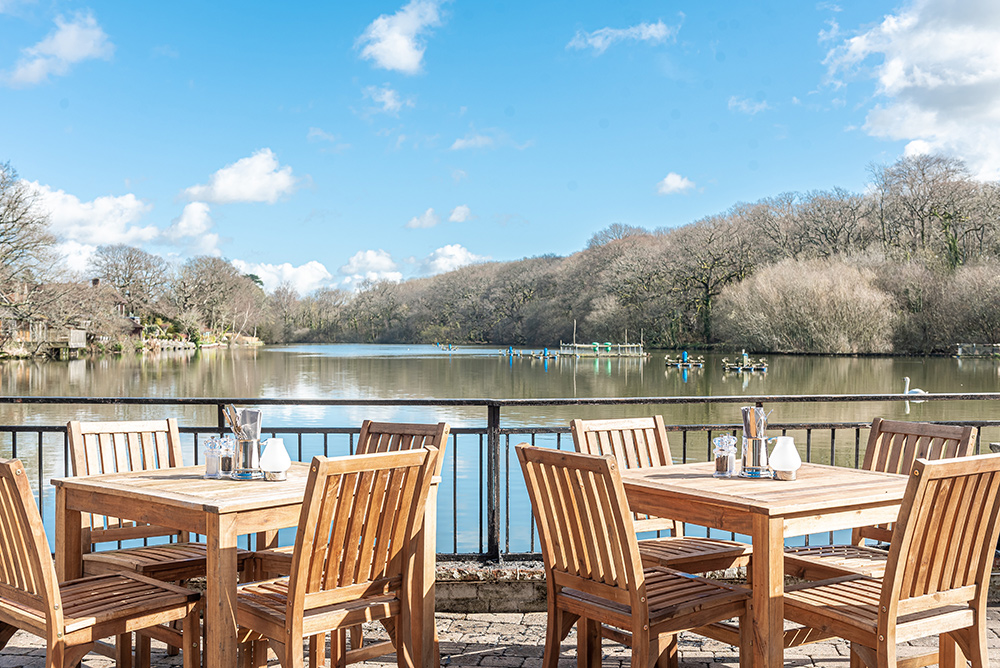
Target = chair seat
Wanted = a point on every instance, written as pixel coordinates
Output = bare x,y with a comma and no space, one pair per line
825,561
275,561
690,553
168,562
672,596
93,605
849,606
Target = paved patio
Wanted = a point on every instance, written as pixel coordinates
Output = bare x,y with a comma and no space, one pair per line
515,640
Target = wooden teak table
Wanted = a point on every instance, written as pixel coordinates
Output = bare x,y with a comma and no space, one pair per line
823,498
221,510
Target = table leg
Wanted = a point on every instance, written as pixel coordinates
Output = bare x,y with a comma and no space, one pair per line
768,570
220,592
425,640
69,540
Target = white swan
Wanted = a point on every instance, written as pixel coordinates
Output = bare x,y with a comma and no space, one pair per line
915,391
907,390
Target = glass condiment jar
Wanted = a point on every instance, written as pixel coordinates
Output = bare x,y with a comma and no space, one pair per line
213,458
725,456
227,448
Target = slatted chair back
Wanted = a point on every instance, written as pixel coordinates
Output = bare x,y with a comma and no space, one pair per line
117,447
584,526
894,447
358,516
942,553
399,436
27,575
635,443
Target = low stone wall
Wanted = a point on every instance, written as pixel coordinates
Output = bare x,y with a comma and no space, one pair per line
469,587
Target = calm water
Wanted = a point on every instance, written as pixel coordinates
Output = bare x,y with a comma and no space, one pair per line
405,372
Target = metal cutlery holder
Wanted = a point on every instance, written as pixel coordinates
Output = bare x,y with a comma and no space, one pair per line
755,458
247,460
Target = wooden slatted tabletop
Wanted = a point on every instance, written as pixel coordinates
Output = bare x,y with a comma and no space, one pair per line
822,498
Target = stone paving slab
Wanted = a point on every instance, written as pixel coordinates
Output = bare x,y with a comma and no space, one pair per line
516,640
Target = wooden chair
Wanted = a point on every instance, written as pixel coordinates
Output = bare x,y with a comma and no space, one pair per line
71,616
639,443
936,577
594,572
382,437
893,447
114,447
351,563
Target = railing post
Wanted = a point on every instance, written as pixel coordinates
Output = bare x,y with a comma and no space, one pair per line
493,481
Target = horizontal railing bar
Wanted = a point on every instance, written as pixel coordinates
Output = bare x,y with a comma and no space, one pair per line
524,430
580,401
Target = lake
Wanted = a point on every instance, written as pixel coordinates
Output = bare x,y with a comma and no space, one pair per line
430,372
426,371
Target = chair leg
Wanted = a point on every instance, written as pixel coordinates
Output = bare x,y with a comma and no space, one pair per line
588,645
855,659
317,649
971,645
338,648
664,648
6,633
143,654
191,630
746,641
553,637
123,651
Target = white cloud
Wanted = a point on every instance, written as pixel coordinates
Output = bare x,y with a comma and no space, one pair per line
258,178
316,134
427,219
371,265
74,40
460,214
600,40
746,106
192,229
674,183
305,278
459,175
473,140
77,255
936,64
395,42
449,258
388,99
103,220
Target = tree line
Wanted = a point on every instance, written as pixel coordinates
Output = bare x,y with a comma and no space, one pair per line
910,265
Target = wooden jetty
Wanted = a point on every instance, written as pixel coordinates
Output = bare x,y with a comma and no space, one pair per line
606,349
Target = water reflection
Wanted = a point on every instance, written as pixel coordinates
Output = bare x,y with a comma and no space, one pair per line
403,372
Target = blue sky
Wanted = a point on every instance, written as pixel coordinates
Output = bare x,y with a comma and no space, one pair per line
323,143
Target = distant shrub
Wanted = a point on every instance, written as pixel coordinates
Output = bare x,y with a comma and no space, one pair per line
971,304
816,306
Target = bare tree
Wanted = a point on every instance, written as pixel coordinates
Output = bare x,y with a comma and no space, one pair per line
25,240
613,232
139,277
227,300
710,254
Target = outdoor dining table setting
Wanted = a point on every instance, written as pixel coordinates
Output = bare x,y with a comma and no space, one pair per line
614,520
392,461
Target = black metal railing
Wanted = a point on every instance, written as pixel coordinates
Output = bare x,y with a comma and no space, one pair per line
483,509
